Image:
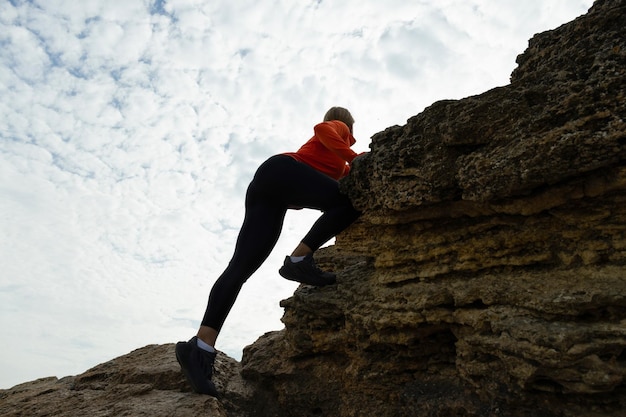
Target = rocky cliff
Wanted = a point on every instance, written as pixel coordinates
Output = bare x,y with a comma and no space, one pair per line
486,277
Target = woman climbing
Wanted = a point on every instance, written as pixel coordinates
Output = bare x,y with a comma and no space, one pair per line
307,178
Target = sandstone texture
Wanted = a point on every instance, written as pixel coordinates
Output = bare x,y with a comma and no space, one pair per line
486,277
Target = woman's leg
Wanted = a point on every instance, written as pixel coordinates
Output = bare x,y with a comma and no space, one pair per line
257,237
279,182
316,190
263,221
312,189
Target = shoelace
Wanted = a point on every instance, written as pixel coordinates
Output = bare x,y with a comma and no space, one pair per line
207,364
317,270
315,267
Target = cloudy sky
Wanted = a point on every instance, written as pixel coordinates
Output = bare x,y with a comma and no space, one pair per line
129,130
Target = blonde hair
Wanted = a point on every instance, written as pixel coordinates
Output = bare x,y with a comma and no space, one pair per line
341,114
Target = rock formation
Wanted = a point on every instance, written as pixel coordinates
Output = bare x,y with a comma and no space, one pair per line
486,277
146,382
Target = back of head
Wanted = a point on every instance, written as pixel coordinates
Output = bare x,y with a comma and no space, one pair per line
341,114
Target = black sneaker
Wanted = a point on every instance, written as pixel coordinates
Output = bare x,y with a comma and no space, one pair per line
197,365
306,272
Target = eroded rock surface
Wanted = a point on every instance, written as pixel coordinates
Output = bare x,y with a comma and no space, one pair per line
146,382
487,275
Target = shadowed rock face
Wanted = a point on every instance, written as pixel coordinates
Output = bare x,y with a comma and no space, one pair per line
486,277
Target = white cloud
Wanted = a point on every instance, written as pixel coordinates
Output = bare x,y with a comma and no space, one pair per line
130,131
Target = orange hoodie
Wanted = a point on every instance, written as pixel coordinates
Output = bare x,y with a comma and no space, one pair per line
328,150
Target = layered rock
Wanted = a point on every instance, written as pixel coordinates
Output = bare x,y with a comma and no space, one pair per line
487,275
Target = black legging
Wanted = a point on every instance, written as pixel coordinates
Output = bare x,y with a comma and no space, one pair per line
280,182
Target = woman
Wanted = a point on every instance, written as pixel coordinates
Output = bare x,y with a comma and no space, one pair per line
307,178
